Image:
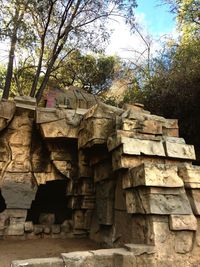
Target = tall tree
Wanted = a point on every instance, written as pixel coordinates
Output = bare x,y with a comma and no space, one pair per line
73,23
14,29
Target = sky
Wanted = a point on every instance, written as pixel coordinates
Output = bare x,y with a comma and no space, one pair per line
157,16
155,21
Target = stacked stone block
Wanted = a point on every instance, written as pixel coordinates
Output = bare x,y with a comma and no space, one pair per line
130,177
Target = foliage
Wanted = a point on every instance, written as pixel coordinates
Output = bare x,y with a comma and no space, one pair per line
94,73
172,88
188,16
58,27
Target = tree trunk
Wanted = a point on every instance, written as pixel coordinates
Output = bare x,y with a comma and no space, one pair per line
10,67
13,42
37,75
45,81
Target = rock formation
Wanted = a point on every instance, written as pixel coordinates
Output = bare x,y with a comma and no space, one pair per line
128,178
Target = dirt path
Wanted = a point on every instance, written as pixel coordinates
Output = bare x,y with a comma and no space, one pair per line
41,248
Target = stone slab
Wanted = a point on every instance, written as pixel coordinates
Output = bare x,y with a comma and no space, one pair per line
58,129
151,126
160,175
123,161
18,190
183,222
102,110
125,259
190,175
78,259
129,125
94,131
180,151
133,146
139,249
45,262
105,257
157,201
7,109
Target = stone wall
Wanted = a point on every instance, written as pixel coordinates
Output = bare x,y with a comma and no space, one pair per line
130,179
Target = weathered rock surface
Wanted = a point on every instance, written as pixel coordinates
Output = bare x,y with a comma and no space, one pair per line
7,110
135,146
97,124
194,198
190,175
160,175
157,201
183,222
124,174
48,262
18,190
177,150
105,193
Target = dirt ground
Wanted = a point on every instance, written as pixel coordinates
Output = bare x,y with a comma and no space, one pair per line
41,248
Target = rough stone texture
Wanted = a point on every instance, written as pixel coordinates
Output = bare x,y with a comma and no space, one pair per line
56,123
157,201
84,165
190,175
124,161
78,259
103,170
25,102
125,172
28,227
105,192
182,151
48,262
120,195
183,241
55,129
38,229
183,222
15,229
12,216
125,259
139,249
82,219
18,190
161,175
97,124
7,110
135,146
194,198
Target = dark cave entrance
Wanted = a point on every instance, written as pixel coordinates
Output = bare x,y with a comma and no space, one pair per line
50,198
2,203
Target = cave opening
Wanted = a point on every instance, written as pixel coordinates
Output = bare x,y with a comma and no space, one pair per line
2,203
50,199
